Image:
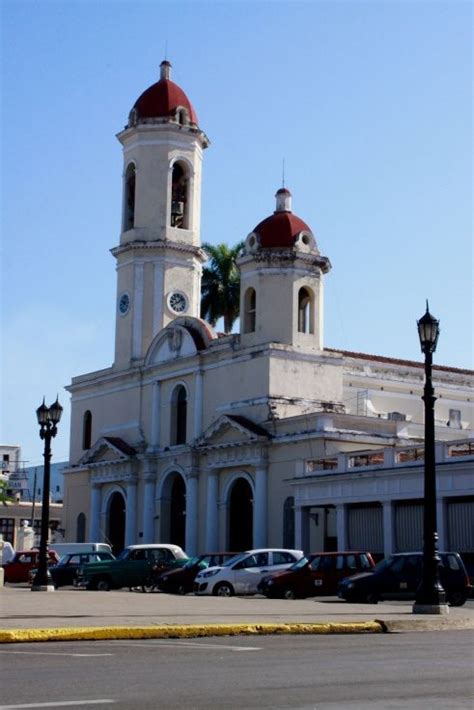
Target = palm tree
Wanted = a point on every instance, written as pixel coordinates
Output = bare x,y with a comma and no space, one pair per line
220,293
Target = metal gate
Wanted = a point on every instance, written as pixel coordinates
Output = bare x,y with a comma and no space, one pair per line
365,528
461,525
408,527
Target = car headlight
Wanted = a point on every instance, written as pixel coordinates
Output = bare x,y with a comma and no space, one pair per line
209,573
164,578
268,582
350,585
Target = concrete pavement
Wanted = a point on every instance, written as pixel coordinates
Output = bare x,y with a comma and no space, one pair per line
76,613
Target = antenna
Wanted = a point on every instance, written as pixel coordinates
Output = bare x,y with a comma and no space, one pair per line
283,173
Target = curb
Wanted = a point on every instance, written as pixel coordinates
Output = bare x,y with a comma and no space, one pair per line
102,633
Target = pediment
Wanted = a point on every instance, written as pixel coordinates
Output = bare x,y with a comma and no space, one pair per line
228,430
108,450
183,337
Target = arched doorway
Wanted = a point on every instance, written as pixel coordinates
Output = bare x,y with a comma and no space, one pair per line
240,516
173,510
178,512
116,523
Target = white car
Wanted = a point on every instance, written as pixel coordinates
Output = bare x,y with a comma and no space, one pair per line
242,573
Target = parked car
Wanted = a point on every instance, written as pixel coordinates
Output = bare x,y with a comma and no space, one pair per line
318,573
242,573
18,568
131,568
64,572
399,576
181,580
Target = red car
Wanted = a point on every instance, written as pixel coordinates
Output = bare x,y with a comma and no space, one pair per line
316,574
18,568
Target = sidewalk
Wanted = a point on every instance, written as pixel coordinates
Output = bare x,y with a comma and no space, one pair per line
124,614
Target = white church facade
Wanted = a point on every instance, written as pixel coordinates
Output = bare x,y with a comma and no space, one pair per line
249,439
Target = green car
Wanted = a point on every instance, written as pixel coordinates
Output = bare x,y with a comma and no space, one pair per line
132,568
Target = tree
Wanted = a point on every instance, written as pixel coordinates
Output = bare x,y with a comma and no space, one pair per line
220,292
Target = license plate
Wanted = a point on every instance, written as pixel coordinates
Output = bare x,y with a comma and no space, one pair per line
318,582
403,585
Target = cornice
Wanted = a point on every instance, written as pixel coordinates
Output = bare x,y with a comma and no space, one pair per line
160,245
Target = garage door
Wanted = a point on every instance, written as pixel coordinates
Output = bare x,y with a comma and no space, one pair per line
365,528
461,525
408,527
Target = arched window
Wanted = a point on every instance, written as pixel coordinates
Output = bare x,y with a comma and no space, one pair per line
250,308
179,412
179,197
305,311
81,528
129,198
289,523
87,430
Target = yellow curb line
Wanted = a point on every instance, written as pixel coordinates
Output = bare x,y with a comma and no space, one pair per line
100,633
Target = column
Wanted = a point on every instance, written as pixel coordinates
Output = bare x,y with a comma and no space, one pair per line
156,415
260,508
212,522
94,522
131,514
191,514
137,308
149,509
302,528
341,527
388,529
198,404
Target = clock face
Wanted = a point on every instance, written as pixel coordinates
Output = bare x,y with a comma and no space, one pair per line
124,303
178,302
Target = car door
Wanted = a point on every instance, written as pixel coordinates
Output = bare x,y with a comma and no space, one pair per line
401,579
323,570
248,572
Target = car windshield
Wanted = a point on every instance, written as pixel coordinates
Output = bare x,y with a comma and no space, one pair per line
301,563
63,560
235,558
124,555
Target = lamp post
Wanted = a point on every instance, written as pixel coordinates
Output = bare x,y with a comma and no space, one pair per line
430,596
48,419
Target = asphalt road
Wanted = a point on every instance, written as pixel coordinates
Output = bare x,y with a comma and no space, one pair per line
416,671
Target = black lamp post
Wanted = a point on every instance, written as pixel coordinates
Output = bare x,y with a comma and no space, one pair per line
48,419
430,596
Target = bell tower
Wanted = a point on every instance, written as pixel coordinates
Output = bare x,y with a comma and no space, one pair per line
281,281
159,259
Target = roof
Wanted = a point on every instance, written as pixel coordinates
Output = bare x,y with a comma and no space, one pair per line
163,98
397,361
280,230
121,445
248,424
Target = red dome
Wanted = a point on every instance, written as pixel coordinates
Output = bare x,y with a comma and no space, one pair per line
163,98
279,231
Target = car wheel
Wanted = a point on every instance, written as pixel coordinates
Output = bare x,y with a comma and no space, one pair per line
147,588
102,585
181,589
371,598
457,598
224,589
289,593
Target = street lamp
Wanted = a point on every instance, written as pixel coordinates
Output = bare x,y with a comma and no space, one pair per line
430,596
48,419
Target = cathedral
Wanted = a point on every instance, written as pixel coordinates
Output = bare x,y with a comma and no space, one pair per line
264,437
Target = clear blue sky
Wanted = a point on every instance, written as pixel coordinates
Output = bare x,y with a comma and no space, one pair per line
368,102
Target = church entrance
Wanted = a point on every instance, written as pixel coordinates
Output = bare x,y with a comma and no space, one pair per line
241,516
116,523
173,511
